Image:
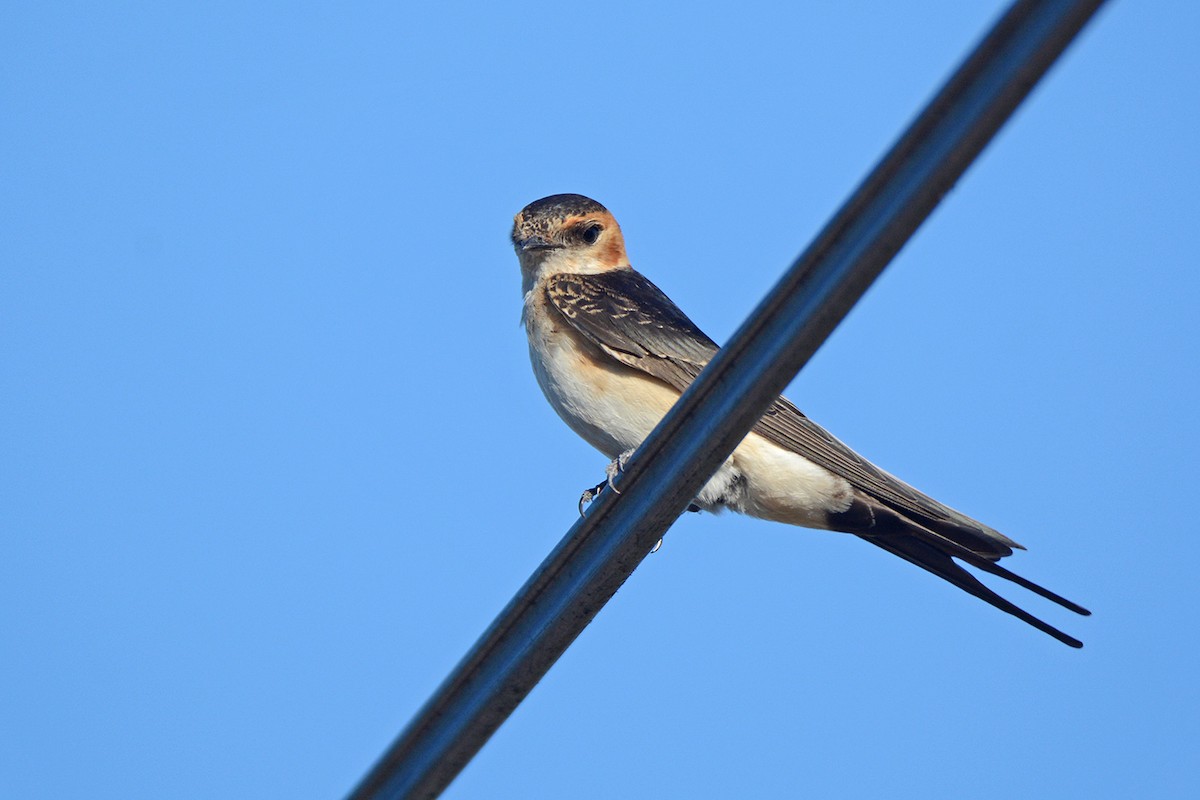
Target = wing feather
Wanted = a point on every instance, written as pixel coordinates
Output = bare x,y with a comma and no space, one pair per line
630,318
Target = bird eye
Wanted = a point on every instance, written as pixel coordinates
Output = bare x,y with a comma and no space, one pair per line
591,233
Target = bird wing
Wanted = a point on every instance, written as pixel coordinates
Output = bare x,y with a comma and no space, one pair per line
633,321
629,318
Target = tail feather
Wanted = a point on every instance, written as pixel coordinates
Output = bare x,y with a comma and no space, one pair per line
996,569
931,558
953,547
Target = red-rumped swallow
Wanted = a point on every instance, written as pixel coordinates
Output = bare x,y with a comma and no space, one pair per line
612,354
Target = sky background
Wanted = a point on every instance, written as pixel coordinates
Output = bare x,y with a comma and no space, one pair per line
272,456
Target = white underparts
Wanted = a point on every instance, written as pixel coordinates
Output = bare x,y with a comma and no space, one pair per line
614,407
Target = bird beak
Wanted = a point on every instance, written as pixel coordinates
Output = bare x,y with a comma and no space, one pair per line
534,243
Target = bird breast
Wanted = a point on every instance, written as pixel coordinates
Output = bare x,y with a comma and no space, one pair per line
612,406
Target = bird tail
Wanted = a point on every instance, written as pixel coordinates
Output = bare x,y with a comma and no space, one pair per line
934,559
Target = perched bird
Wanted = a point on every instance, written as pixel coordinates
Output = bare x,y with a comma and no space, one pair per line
612,354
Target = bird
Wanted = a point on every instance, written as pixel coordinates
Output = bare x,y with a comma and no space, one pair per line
612,353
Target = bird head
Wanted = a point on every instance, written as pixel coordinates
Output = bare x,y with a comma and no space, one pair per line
567,233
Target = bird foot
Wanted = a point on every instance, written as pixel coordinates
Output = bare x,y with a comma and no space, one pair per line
614,468
695,509
590,494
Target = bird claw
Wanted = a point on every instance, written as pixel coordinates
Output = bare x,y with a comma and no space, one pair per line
658,545
614,468
589,495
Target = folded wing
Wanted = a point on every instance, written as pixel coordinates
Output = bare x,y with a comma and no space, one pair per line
630,319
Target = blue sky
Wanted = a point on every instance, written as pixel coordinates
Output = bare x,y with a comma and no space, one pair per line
272,456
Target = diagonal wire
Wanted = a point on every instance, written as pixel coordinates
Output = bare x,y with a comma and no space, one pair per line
603,548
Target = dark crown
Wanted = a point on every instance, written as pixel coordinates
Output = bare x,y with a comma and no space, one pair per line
560,206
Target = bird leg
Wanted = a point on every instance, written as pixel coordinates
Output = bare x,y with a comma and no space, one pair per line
614,468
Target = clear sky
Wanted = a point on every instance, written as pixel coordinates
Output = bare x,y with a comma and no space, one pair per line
272,456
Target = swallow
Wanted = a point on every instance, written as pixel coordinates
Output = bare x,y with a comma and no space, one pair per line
612,354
